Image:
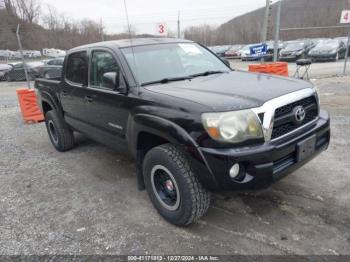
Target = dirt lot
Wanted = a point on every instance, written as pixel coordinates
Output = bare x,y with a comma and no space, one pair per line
86,201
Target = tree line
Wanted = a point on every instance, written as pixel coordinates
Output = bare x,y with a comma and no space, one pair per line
55,29
42,26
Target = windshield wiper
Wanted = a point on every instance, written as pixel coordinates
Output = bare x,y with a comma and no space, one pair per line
206,73
166,80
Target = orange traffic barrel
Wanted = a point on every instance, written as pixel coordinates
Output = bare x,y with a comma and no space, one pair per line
278,68
30,110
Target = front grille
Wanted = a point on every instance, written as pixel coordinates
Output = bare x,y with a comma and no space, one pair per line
284,117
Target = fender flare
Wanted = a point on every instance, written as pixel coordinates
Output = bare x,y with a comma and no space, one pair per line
52,101
158,126
169,131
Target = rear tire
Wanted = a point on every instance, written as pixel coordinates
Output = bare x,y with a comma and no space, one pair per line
8,78
61,136
172,186
336,58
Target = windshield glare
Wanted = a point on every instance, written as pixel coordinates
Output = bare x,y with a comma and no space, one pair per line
328,44
294,46
156,62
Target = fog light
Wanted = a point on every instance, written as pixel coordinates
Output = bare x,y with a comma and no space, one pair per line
234,171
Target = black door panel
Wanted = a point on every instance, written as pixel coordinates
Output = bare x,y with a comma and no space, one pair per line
73,91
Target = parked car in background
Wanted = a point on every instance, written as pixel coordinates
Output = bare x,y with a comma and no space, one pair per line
17,71
4,69
295,50
234,52
271,48
52,69
316,41
221,49
328,50
245,52
16,55
35,54
54,53
4,54
344,39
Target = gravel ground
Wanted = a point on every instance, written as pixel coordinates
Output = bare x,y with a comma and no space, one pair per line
86,201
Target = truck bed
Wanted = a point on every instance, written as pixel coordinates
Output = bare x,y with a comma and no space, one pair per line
42,84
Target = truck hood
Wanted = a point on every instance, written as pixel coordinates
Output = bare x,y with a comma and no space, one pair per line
231,91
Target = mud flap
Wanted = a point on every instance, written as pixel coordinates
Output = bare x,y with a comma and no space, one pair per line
139,170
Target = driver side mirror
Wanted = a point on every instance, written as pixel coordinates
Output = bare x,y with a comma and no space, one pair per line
115,81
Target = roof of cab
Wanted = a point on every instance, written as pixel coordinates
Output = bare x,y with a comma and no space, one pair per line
132,42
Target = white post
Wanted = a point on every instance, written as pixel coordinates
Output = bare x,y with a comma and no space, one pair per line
22,56
277,32
265,25
346,53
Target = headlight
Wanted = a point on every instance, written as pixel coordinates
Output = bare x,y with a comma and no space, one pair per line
317,95
233,127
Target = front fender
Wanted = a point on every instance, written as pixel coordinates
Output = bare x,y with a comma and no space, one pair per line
161,127
176,135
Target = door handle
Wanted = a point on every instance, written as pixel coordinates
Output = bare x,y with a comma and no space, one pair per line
88,99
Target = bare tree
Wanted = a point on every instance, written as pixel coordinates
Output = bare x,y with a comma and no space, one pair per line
50,19
28,10
10,8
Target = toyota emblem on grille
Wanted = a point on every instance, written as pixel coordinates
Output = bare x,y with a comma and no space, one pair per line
299,114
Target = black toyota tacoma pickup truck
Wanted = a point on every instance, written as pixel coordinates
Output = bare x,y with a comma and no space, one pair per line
192,124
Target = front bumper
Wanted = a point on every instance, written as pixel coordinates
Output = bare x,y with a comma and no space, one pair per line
265,163
323,57
288,58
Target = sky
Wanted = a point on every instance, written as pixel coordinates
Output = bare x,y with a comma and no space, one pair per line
145,15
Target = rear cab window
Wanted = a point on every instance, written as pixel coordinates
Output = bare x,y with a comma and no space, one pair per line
77,68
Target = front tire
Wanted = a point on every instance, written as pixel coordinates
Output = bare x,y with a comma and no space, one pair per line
61,136
172,186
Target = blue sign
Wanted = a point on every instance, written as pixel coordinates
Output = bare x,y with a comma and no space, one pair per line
258,50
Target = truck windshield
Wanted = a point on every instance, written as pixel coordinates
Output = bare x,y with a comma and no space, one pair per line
179,61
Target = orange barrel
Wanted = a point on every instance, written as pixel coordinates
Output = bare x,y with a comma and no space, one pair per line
278,68
27,101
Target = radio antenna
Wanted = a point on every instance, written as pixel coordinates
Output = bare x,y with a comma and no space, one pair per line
131,41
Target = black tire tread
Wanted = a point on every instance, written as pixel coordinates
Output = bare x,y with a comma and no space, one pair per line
66,137
200,196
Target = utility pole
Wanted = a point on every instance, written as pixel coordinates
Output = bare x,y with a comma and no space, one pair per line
265,25
22,56
277,31
178,26
266,21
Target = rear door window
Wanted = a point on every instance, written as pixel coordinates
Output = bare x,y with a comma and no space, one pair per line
77,68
